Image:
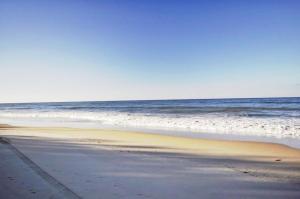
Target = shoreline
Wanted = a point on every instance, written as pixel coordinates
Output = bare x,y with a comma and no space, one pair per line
292,142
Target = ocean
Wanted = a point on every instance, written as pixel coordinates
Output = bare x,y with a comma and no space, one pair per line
260,117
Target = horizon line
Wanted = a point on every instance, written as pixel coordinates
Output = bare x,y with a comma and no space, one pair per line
169,99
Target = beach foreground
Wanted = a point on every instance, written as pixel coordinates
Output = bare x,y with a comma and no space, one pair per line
90,163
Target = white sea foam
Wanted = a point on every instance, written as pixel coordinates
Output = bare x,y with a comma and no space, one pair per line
274,127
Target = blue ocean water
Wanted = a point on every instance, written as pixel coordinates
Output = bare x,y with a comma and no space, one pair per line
277,117
252,107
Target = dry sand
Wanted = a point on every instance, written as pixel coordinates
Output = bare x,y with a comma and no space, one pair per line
118,164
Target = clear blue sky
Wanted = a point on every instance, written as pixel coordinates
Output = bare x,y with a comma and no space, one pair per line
62,50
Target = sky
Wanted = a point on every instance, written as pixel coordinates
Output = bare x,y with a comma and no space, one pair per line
77,50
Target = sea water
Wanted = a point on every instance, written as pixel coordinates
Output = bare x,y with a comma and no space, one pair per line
259,117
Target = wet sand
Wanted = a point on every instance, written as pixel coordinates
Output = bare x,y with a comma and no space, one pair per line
115,164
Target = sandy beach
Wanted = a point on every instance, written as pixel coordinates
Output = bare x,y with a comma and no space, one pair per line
93,163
